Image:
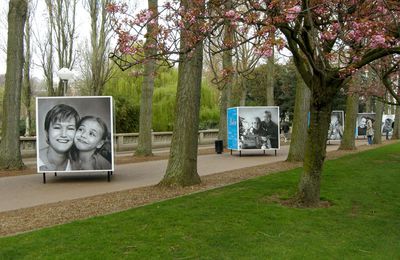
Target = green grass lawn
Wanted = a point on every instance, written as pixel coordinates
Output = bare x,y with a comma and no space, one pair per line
238,221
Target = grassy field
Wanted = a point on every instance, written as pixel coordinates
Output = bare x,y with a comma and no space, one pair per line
240,221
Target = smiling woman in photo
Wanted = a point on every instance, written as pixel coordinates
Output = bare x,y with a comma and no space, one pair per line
60,128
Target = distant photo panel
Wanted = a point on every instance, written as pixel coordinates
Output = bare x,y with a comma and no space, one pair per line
335,131
361,123
258,128
74,134
387,124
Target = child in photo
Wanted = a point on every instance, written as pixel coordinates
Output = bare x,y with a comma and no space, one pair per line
92,145
60,127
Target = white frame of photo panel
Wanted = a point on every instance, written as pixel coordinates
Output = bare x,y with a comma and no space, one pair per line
234,124
97,106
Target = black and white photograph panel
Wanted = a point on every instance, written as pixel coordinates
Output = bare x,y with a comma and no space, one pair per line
361,123
259,128
335,131
387,125
74,134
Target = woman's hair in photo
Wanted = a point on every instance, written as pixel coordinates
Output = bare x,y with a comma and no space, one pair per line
60,112
105,149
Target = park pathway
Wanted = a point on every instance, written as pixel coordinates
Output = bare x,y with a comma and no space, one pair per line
28,190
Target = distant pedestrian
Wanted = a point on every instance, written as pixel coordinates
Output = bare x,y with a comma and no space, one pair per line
285,129
370,131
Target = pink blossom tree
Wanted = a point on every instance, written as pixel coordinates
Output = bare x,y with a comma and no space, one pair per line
329,41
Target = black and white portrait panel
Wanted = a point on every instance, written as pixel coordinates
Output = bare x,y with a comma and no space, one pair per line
361,123
335,131
387,124
74,134
259,128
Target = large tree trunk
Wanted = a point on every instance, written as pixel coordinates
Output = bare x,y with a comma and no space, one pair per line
320,115
300,122
227,65
378,122
270,80
348,141
146,99
309,186
182,163
10,153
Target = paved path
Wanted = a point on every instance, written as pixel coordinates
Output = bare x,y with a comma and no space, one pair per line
28,190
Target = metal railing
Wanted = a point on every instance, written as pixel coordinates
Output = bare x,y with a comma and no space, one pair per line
127,141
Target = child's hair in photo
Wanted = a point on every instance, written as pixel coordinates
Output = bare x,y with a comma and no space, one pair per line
105,149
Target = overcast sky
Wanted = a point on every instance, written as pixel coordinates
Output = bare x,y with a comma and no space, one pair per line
83,27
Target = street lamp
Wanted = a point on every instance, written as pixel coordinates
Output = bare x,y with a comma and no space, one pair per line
65,74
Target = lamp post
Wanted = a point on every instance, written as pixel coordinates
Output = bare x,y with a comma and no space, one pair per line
65,74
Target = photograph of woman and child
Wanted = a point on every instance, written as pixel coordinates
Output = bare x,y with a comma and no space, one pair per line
74,134
259,128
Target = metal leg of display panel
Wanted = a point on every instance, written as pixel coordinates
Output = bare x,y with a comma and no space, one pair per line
275,152
109,173
44,176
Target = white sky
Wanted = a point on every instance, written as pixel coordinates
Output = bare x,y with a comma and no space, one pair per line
39,21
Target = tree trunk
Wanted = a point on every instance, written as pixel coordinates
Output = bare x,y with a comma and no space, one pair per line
378,123
99,69
182,163
243,92
146,100
369,108
270,80
10,153
300,122
26,87
396,130
348,141
223,106
309,186
227,65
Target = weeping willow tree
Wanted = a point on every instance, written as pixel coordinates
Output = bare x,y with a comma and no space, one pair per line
127,88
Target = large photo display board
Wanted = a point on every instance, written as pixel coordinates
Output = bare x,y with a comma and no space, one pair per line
253,128
74,134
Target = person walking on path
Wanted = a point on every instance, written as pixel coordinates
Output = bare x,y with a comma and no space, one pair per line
370,131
